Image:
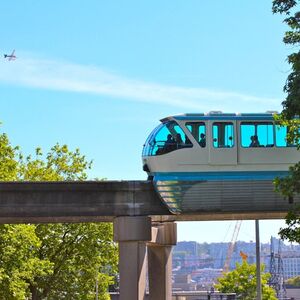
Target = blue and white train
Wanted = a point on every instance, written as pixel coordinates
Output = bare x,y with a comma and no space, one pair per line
217,157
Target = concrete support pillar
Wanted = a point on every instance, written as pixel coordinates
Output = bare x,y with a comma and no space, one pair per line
132,234
160,272
164,236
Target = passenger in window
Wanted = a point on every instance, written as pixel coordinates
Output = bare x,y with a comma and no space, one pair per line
202,141
254,141
170,139
169,144
178,140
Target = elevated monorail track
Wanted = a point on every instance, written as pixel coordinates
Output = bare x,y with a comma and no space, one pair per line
91,201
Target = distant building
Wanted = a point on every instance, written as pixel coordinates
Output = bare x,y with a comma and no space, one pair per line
291,263
183,282
204,262
206,278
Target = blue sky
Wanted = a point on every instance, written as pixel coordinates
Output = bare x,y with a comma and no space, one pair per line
99,75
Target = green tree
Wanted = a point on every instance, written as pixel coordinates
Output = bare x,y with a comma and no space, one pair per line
52,261
291,105
242,281
19,262
290,185
294,281
78,253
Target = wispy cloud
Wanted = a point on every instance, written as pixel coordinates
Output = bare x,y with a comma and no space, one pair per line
64,76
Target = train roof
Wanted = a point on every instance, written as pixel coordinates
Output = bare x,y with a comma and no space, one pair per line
218,115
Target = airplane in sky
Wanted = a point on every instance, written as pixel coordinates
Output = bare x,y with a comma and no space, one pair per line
10,56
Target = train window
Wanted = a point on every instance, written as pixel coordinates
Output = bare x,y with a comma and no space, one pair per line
223,135
281,133
167,138
257,134
281,137
197,129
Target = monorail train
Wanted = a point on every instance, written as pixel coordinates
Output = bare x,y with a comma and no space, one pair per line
195,158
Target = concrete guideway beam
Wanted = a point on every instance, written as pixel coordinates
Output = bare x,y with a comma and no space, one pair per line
102,201
77,201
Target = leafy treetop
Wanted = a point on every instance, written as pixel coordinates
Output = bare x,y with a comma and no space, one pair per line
52,261
289,186
291,105
242,281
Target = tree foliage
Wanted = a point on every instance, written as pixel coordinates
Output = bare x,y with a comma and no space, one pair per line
290,185
242,281
52,261
291,105
294,281
292,230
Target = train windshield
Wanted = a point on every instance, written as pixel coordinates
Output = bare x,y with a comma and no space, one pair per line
166,138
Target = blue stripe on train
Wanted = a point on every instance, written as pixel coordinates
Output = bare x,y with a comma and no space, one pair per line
215,176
